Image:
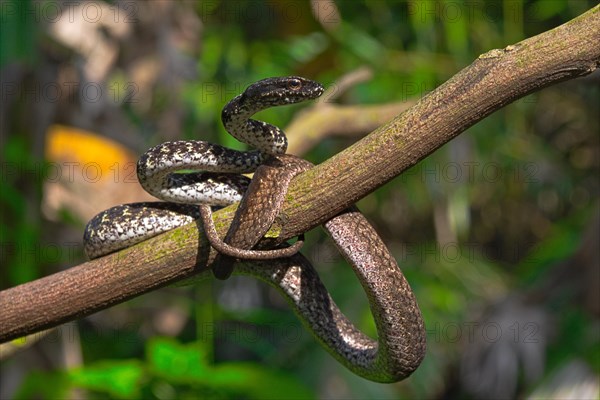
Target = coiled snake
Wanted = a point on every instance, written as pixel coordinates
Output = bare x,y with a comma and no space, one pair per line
400,346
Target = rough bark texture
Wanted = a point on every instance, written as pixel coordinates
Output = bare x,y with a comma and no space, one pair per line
495,79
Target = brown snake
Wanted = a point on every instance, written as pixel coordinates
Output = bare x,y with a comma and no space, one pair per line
400,346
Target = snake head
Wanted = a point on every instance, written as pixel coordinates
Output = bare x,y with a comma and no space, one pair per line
283,90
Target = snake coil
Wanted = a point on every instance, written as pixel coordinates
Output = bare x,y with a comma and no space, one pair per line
400,346
220,183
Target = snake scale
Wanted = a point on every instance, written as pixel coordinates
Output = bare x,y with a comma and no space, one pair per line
400,346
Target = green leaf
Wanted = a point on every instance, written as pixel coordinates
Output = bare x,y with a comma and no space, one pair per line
187,364
177,362
120,379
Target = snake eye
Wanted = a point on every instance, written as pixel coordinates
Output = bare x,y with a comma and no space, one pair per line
294,84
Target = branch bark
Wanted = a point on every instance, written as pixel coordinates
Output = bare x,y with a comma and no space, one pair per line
493,80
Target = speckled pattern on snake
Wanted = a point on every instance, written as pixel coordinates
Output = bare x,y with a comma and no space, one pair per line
400,346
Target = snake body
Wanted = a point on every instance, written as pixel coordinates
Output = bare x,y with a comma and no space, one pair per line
257,211
220,183
400,346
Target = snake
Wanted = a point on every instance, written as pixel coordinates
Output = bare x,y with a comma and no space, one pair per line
217,180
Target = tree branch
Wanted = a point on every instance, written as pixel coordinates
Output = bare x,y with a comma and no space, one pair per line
325,120
495,79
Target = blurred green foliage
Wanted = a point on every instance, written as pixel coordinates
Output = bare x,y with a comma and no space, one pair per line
525,191
170,371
